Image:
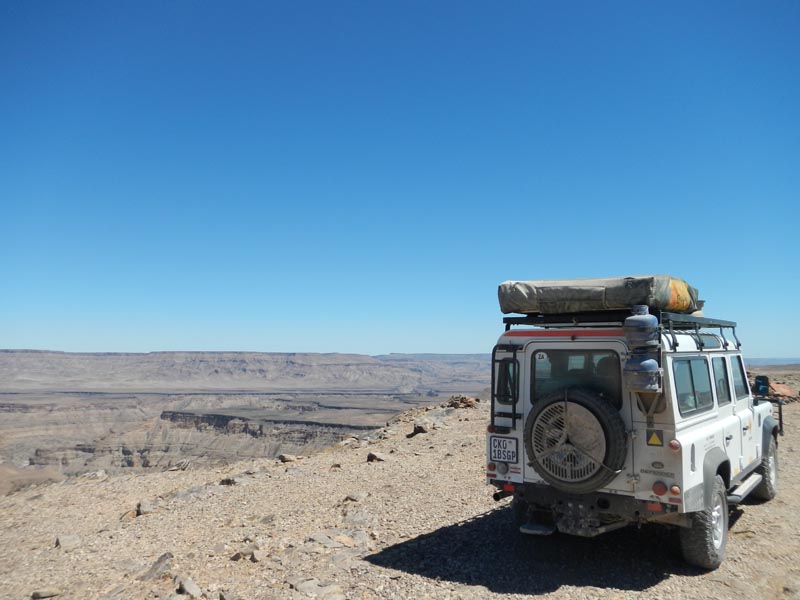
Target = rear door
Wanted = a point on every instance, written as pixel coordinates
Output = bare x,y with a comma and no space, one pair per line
595,365
731,425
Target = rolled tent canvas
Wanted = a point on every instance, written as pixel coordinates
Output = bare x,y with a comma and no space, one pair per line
562,296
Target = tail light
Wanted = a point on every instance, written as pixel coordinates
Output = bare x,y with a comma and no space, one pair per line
659,488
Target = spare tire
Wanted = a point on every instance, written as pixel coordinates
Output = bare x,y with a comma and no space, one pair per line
575,440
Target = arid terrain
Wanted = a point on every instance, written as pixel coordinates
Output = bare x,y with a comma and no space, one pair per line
68,413
383,515
398,510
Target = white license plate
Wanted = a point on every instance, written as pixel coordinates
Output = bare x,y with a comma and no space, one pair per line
503,449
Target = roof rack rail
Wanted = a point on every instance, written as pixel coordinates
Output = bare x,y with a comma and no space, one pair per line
673,321
615,317
680,321
670,322
586,319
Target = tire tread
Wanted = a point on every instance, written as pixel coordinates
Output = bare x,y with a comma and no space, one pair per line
766,490
697,543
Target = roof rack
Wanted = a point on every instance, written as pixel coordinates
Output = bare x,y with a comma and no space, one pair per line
680,321
672,321
669,321
587,319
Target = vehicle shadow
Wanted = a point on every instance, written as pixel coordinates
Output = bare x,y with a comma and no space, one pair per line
488,551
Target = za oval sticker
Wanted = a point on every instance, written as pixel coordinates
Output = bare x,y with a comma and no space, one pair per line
657,465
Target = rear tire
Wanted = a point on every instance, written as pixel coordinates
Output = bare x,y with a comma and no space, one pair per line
768,469
703,544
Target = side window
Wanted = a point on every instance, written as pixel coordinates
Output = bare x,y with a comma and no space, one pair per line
692,385
721,380
739,378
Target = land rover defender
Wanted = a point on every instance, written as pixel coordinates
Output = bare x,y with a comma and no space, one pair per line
615,403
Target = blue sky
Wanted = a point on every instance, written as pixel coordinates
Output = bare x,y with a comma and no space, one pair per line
359,176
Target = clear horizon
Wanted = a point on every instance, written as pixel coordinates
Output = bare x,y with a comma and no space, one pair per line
773,360
359,178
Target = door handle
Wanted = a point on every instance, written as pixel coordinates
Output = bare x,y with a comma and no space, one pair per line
729,437
746,427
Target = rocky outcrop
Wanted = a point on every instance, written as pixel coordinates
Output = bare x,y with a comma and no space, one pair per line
227,424
233,425
80,432
207,441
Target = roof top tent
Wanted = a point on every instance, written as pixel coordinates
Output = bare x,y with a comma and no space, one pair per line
603,302
564,296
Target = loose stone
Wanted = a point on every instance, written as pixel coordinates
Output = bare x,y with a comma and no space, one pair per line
68,542
45,593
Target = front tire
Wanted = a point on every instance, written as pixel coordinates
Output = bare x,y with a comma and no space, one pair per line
768,469
703,543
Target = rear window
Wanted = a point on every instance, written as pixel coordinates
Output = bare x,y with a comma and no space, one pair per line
506,381
692,385
598,370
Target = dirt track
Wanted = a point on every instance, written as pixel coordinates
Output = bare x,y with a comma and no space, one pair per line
420,524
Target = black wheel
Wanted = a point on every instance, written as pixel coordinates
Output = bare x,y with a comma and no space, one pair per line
768,469
703,544
575,440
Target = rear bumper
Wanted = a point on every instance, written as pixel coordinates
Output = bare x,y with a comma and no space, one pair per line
583,513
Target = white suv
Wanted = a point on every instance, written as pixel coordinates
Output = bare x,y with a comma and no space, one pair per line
612,417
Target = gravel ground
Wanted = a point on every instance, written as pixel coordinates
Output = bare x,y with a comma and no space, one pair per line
419,524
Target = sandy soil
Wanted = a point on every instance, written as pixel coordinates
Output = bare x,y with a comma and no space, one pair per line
12,479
